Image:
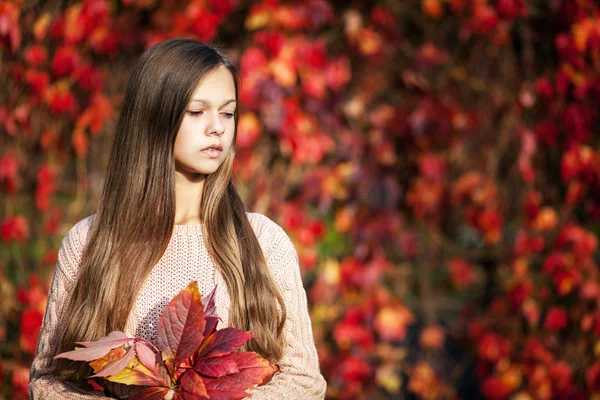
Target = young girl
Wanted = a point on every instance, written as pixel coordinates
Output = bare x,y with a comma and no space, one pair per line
169,214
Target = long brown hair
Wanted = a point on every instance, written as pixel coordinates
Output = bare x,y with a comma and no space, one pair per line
135,217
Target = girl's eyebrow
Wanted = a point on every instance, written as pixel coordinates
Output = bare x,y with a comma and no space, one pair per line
208,103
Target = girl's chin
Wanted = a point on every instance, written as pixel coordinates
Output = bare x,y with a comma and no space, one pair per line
195,168
195,173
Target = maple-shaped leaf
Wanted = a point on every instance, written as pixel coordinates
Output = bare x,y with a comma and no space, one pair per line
97,349
254,370
223,342
181,326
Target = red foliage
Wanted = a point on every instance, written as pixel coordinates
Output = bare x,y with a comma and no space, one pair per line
556,319
412,154
15,228
193,359
31,322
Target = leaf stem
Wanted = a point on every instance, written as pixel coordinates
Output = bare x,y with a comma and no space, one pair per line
149,343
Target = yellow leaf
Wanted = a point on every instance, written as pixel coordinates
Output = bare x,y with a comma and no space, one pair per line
135,373
258,20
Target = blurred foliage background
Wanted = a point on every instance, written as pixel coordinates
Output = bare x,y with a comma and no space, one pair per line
436,162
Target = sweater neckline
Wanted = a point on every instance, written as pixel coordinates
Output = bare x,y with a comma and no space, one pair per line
188,229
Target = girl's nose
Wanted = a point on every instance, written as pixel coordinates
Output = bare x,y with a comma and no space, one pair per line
216,126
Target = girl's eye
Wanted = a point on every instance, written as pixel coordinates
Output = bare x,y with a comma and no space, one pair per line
194,113
229,115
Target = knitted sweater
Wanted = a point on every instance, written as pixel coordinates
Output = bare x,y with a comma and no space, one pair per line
187,259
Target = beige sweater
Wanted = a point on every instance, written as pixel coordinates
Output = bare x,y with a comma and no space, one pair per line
186,259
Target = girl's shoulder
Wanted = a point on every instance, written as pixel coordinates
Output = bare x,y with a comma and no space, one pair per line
267,231
279,250
72,246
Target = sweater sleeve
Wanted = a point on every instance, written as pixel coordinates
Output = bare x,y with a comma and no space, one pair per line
299,376
43,385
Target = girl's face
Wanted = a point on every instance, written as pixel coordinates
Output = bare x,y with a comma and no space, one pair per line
208,121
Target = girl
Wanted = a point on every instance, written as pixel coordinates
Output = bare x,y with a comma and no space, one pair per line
169,214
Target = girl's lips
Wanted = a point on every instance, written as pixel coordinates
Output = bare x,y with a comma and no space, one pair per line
212,153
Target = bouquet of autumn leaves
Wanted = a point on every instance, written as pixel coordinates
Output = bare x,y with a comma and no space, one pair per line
193,360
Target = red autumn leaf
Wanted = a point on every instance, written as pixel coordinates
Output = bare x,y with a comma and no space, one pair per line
15,228
211,326
180,326
192,383
254,370
209,304
80,142
223,342
95,385
66,59
36,54
186,396
224,390
31,321
181,373
216,367
10,32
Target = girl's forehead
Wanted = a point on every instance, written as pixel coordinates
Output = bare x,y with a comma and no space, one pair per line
218,83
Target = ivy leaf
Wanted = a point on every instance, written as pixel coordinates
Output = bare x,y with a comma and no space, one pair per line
223,342
181,326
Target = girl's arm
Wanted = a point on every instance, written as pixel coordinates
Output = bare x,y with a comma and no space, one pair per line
299,376
43,385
